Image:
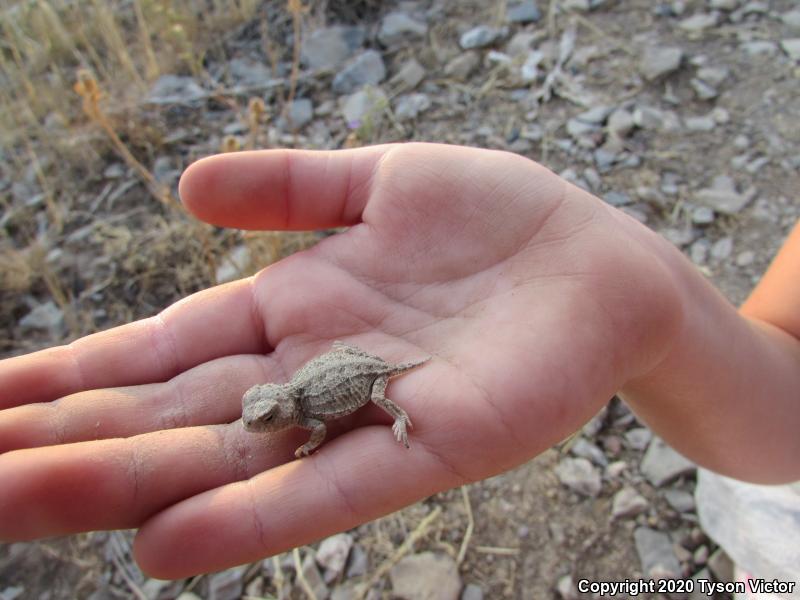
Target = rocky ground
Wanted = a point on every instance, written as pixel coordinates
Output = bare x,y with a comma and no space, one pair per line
682,114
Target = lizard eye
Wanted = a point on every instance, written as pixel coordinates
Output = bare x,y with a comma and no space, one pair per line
268,418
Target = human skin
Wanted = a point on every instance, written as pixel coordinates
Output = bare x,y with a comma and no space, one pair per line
536,300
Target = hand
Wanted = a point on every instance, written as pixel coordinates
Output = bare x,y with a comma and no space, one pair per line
536,301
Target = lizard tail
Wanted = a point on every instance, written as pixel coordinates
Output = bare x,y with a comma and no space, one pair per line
402,367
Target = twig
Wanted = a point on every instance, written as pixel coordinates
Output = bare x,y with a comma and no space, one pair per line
301,578
462,551
497,550
278,578
421,530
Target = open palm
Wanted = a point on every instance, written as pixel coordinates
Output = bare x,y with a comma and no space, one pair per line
535,300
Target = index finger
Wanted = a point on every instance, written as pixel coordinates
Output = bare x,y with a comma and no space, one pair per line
217,322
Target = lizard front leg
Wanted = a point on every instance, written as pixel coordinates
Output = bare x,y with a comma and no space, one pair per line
318,431
401,419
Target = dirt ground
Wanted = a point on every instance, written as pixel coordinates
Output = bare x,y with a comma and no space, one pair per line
84,234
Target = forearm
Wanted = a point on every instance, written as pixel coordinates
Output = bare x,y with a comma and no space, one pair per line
727,394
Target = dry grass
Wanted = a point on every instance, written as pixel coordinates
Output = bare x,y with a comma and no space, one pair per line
73,79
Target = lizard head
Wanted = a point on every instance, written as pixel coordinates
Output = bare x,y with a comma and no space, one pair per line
268,407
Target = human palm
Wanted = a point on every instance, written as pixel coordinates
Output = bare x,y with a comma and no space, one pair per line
535,300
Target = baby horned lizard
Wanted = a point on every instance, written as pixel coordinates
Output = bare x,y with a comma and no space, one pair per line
331,385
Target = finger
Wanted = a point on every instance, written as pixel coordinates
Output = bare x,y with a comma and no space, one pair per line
216,322
207,394
358,477
281,189
118,483
114,484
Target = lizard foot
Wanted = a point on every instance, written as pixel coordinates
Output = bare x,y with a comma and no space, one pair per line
399,430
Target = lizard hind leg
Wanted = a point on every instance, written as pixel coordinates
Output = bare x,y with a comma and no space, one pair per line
401,420
318,431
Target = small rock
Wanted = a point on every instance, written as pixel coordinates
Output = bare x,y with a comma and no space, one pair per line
226,585
721,565
703,123
679,236
301,111
408,106
366,68
398,27
741,142
656,554
722,248
702,215
114,171
426,576
722,196
566,588
479,37
638,438
188,596
725,4
175,89
332,554
616,469
617,198
472,592
529,71
628,503
359,562
585,449
577,129
703,90
44,317
361,105
699,22
620,122
648,117
680,500
715,76
661,464
579,475
759,48
596,115
330,47
698,251
495,57
755,165
522,11
792,18
248,73
658,61
792,48
409,76
521,43
462,66
720,115
612,445
12,592
745,259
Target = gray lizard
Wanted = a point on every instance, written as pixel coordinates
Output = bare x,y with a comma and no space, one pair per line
329,386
